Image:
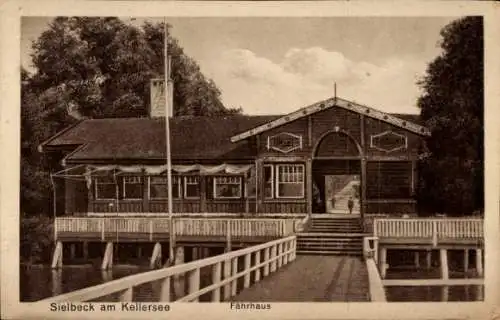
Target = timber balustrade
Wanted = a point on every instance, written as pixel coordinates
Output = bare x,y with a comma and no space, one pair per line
377,291
258,261
435,230
109,227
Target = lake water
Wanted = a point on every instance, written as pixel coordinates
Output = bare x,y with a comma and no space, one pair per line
39,282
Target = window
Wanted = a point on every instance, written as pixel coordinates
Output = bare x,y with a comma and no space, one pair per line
227,187
191,187
158,187
105,188
290,181
268,181
132,188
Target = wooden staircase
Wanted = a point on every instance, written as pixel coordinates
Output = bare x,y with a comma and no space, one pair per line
332,236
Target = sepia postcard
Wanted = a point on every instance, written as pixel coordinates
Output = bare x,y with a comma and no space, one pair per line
250,160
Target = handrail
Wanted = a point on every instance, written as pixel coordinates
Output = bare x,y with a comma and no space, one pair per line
276,254
377,291
431,228
244,227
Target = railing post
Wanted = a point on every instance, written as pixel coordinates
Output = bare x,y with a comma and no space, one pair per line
127,295
194,282
165,289
257,262
234,283
266,260
227,274
434,233
248,258
273,258
286,247
280,255
216,275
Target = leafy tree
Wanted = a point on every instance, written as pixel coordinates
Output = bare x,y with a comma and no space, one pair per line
452,106
89,67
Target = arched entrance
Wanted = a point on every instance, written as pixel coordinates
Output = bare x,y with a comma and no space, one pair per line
336,174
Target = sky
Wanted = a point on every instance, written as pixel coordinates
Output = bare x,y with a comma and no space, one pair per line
277,65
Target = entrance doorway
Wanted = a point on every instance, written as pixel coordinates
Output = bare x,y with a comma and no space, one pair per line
342,194
335,182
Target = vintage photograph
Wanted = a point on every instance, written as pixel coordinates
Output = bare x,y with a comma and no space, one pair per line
252,160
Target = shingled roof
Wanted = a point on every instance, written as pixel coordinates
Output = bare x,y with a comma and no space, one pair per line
136,139
193,138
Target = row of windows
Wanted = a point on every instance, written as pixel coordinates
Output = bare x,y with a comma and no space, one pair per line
281,181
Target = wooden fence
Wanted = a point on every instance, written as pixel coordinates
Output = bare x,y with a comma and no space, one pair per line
425,228
258,261
217,227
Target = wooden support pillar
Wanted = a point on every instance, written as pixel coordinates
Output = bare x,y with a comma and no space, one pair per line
56,282
145,190
194,282
257,262
443,253
179,280
260,192
273,257
107,261
57,257
266,259
72,251
155,256
195,253
227,274
309,181
382,262
278,253
216,277
445,293
417,258
165,289
479,262
248,261
428,259
286,247
234,272
362,207
466,260
85,245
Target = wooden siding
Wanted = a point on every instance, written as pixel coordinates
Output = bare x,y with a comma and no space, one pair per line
284,206
388,180
298,127
327,120
391,207
374,127
337,144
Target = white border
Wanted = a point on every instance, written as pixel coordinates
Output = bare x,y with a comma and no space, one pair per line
9,135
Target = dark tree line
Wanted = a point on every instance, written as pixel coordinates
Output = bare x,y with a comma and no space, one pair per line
452,106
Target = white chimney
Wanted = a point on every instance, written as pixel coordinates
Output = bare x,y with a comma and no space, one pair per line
157,107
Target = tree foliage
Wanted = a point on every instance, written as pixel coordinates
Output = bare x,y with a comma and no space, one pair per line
452,106
87,67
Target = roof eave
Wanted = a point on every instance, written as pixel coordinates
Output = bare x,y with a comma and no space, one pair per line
330,103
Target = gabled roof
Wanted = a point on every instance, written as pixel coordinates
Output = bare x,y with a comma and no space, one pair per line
330,103
144,138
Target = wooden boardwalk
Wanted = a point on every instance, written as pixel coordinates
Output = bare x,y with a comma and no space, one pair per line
313,279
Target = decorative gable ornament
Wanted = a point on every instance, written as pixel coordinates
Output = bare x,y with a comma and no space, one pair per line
284,142
388,141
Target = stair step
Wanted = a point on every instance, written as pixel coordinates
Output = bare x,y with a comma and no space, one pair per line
333,234
336,252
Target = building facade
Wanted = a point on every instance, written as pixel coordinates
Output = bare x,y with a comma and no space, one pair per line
332,156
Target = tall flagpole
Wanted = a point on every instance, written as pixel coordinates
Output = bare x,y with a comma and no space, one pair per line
167,139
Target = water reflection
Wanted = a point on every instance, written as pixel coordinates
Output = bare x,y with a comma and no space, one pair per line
41,282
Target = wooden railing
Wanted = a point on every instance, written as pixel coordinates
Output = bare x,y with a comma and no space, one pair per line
259,261
434,229
376,287
182,226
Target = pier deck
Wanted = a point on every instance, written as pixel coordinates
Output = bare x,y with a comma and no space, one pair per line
313,279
